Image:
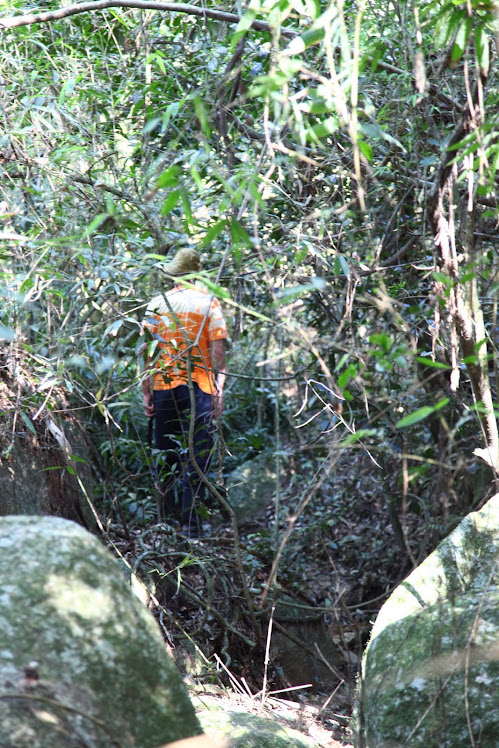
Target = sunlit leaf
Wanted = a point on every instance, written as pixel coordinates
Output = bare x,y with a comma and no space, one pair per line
169,178
419,415
301,43
170,202
213,232
366,150
482,49
96,223
430,362
216,290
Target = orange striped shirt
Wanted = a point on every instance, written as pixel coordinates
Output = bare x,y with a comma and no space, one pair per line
184,321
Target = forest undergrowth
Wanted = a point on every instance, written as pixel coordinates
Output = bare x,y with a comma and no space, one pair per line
346,535
340,562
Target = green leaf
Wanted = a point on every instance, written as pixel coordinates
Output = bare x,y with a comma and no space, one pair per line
203,118
431,363
420,414
171,112
447,26
374,131
467,277
6,333
358,435
169,178
341,362
309,8
213,232
442,278
75,458
344,265
461,39
170,202
111,206
346,375
66,90
96,223
442,403
381,339
300,43
482,49
377,56
366,150
239,233
323,129
186,205
287,294
415,417
216,290
28,422
197,179
152,124
246,21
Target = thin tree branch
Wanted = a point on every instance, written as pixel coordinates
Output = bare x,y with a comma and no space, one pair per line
150,221
192,10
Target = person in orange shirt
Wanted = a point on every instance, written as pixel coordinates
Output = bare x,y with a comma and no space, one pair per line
187,383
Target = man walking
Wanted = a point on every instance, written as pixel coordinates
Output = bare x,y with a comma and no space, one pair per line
186,387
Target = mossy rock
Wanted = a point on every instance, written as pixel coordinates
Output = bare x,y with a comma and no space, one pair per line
250,731
251,487
431,670
82,662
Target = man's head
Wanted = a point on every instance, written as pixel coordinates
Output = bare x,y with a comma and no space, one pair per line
186,261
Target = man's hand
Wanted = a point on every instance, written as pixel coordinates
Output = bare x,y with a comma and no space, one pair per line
148,403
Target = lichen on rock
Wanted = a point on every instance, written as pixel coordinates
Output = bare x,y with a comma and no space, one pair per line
251,731
431,669
81,660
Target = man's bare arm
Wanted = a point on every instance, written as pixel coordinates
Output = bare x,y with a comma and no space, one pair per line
218,364
147,399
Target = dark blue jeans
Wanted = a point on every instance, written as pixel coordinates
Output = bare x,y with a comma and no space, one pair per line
172,415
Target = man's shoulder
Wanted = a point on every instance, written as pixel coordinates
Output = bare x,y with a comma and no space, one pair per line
161,303
183,301
155,303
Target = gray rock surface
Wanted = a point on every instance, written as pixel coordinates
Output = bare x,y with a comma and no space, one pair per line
431,669
34,474
296,664
82,662
251,731
252,486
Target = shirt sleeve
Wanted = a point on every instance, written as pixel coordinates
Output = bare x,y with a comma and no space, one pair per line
217,329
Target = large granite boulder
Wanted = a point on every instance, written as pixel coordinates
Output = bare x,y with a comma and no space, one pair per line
431,669
82,662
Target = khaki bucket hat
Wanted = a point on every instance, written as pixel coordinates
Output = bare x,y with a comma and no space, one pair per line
185,261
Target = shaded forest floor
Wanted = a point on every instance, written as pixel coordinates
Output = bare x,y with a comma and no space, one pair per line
342,559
